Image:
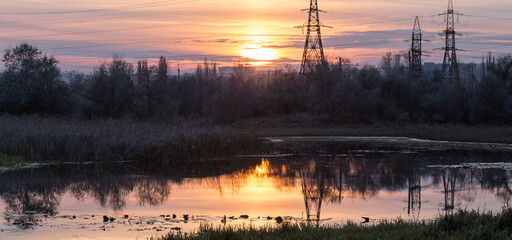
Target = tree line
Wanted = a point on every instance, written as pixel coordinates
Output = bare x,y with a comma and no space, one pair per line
32,83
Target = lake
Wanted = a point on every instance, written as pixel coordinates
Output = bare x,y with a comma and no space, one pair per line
319,184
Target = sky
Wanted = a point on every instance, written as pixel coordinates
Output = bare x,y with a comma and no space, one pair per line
83,34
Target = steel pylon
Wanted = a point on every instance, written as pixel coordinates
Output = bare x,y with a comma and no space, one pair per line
313,55
415,53
450,64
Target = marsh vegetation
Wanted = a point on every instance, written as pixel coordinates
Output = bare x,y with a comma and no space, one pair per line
465,224
58,140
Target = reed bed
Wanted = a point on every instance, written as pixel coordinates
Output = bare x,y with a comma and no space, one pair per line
59,140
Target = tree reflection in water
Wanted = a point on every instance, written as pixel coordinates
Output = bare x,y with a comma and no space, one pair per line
29,195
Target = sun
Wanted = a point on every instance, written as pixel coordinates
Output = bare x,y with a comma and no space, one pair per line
259,53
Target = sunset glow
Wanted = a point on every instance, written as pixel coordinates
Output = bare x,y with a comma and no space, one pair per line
83,34
292,119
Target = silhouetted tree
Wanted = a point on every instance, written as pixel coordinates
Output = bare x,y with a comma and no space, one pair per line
234,97
31,82
110,89
150,88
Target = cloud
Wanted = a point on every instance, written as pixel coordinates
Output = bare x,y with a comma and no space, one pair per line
293,45
220,40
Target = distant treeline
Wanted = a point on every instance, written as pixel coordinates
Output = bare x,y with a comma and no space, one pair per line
32,83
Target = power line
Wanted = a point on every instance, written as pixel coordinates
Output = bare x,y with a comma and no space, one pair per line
490,17
127,7
89,18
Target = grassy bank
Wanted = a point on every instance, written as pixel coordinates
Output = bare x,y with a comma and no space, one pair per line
12,162
461,225
58,140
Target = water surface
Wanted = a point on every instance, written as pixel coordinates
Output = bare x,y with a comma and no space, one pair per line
325,186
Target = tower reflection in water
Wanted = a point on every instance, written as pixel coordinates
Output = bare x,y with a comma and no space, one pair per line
31,195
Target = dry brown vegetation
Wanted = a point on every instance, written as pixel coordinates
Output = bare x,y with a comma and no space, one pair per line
52,139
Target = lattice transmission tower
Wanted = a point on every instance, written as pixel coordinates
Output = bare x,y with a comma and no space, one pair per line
414,56
415,53
450,64
313,56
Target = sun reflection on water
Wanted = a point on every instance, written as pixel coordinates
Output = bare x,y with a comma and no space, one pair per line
263,168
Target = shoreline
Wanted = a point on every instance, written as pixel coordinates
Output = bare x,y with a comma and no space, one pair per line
306,125
445,132
8,163
404,143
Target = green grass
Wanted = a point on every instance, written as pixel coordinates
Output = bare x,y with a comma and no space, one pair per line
12,162
461,225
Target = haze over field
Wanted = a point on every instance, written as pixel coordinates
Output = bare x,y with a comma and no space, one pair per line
81,34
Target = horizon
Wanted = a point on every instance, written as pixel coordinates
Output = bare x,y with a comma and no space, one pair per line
82,35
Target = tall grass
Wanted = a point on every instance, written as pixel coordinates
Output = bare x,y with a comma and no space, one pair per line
461,225
52,139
